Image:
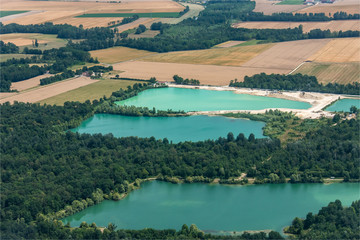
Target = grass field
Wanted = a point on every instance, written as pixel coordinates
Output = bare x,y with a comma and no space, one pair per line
339,51
5,57
8,13
90,92
150,15
291,2
46,41
118,54
342,73
234,56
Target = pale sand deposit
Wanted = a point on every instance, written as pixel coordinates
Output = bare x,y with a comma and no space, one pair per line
43,92
318,101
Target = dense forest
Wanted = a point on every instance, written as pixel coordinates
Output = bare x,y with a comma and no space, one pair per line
6,48
296,82
180,80
332,222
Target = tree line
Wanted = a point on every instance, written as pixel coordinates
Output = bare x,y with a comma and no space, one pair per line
296,82
6,48
180,80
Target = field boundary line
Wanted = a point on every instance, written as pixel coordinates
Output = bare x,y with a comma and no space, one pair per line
296,68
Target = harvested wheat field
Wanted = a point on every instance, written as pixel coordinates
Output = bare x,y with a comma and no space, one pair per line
235,56
228,44
343,25
64,12
26,39
88,22
40,93
287,55
29,83
348,6
6,94
269,7
146,34
118,54
135,24
208,75
342,73
90,92
339,50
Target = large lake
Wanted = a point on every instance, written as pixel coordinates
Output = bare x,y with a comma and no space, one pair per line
343,105
206,100
176,129
163,205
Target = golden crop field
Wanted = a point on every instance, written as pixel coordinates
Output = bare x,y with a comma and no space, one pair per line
206,74
342,73
29,83
118,54
339,50
342,25
46,41
234,56
270,7
47,91
90,92
348,6
287,55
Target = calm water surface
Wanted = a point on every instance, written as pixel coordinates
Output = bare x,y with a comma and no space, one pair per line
206,100
162,205
343,105
176,129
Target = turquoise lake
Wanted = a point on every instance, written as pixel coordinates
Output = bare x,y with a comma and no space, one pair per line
206,100
176,129
163,205
343,105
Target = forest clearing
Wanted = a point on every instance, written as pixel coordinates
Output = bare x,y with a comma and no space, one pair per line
206,74
43,92
343,25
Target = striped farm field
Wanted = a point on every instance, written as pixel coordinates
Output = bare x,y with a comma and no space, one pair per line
118,54
147,15
9,13
342,73
343,25
234,56
339,51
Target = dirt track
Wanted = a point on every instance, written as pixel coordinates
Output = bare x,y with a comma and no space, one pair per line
47,91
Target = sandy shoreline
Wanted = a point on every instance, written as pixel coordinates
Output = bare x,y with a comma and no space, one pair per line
318,101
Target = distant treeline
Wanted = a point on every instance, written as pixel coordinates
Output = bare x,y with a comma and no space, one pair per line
296,82
125,20
6,48
332,222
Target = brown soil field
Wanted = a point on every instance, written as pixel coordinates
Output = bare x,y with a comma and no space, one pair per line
344,25
46,41
235,56
287,55
6,94
348,6
118,54
40,93
269,7
64,12
209,75
339,50
30,83
228,44
342,73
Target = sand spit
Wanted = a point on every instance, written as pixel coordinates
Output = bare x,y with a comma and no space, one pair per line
318,101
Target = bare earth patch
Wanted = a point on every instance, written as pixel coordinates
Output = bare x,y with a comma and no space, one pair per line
30,83
118,54
235,56
206,74
47,91
342,73
339,50
286,55
343,25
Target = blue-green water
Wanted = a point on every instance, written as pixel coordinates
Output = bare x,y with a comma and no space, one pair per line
176,129
343,105
206,100
162,205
